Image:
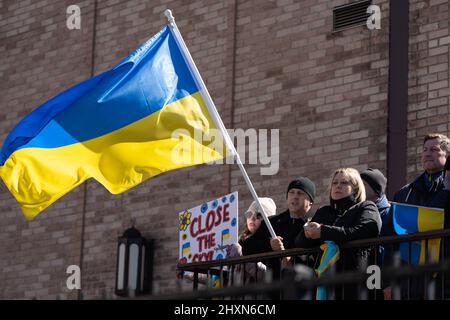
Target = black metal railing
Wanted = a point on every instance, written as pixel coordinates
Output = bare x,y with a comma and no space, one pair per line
429,280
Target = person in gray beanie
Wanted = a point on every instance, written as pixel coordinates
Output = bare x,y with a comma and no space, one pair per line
375,185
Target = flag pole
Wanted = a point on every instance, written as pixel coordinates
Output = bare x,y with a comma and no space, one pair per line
214,113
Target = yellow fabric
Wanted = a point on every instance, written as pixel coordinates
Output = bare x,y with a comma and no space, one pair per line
330,256
428,220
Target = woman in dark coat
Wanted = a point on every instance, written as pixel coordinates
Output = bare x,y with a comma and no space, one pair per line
348,217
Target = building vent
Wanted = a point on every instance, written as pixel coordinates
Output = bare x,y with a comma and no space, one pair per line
350,15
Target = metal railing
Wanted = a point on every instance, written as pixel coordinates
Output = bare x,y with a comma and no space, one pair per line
429,280
290,285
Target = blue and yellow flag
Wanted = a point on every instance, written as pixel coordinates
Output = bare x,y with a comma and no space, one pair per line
226,234
186,248
412,219
216,282
116,127
330,255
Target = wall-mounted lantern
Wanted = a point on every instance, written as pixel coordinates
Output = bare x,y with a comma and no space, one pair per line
134,264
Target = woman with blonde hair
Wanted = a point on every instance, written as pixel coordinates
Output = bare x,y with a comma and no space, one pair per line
348,217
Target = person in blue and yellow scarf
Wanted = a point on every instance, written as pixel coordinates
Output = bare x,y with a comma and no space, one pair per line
348,217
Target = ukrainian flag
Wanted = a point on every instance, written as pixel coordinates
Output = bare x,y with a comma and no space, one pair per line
216,282
412,219
330,255
226,234
186,248
116,127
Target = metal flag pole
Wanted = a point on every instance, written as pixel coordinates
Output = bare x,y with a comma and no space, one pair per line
214,114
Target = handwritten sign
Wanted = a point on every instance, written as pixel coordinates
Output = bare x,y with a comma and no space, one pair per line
207,230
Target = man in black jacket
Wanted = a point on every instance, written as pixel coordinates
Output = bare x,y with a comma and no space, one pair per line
427,190
446,255
287,225
300,197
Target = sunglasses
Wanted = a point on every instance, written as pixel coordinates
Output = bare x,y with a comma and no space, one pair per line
250,214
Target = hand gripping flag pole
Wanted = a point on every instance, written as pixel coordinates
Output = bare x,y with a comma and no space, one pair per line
214,114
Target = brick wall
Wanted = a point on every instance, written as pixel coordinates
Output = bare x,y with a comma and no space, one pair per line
428,105
39,58
327,92
267,64
35,255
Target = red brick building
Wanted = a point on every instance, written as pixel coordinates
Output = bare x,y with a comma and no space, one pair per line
355,97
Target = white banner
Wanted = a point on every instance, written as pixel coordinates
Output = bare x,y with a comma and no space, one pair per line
207,230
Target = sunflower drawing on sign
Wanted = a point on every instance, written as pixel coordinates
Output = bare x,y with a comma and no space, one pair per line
185,220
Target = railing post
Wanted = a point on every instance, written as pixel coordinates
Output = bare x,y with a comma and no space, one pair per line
343,269
375,262
221,279
256,277
409,263
425,277
395,284
443,258
195,280
363,292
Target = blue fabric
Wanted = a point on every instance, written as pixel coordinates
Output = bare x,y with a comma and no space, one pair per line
140,85
415,252
330,256
384,206
405,219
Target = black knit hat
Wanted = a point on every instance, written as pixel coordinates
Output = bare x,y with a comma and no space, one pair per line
376,180
304,184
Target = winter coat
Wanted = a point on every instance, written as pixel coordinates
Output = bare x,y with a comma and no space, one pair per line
359,221
354,222
417,193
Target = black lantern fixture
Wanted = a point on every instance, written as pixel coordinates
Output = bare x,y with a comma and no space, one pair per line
134,264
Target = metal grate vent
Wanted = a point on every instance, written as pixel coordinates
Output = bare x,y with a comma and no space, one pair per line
350,15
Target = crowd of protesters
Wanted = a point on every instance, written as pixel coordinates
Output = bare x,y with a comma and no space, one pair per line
358,209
